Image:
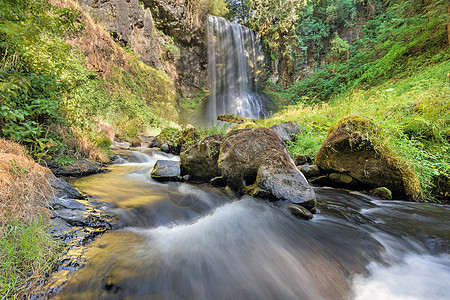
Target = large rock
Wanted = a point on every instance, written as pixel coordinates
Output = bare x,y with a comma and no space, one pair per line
200,160
256,162
348,149
287,131
166,170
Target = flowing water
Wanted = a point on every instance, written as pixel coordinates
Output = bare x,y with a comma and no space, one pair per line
183,241
234,62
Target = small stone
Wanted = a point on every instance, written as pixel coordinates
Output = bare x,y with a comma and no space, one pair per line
339,178
167,170
300,211
382,192
165,148
309,170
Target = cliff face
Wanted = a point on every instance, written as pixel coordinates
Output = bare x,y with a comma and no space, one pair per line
130,24
173,18
134,25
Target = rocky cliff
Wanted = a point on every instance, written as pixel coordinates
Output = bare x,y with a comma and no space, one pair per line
135,24
130,24
173,18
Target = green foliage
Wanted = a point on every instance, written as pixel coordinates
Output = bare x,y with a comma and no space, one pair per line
192,109
396,41
413,115
306,143
30,85
27,252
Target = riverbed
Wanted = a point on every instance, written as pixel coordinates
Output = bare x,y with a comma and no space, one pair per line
187,241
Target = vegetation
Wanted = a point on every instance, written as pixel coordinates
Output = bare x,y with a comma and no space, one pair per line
413,115
53,101
398,37
26,250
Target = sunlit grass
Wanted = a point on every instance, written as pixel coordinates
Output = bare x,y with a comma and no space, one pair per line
27,252
413,114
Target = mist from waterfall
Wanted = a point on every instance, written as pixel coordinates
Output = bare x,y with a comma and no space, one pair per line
235,60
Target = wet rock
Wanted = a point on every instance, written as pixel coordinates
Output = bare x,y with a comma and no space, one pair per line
382,192
349,149
145,141
76,217
166,170
64,203
310,170
60,228
255,161
79,168
200,159
287,131
63,189
302,160
165,148
301,212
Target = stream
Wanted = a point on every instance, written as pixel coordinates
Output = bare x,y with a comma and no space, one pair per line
185,241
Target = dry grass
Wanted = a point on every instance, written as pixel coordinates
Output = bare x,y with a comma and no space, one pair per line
80,144
24,186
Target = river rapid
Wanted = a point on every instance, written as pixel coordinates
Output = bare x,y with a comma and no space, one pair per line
184,241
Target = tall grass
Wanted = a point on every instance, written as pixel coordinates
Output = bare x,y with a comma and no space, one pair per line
26,253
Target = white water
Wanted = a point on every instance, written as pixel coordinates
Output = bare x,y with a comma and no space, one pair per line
234,62
182,241
417,277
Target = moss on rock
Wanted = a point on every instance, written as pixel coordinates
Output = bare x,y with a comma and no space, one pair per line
355,147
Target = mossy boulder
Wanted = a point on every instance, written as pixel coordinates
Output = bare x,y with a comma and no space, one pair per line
200,159
255,161
353,148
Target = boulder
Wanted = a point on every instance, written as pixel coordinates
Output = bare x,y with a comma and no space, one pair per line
200,159
255,161
351,150
145,141
166,170
287,131
309,170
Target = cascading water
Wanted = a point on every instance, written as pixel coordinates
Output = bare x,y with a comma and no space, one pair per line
183,241
234,63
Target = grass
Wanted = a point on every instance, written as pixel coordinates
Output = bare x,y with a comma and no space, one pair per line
27,252
413,114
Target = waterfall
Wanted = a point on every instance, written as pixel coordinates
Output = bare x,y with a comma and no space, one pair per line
234,63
